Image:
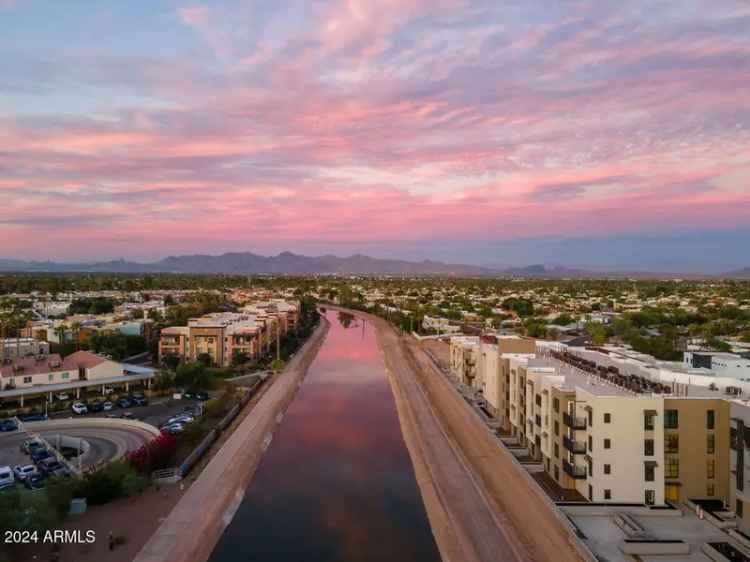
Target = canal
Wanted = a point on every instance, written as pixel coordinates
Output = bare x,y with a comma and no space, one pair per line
337,483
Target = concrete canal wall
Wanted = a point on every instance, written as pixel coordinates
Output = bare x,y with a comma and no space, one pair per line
192,529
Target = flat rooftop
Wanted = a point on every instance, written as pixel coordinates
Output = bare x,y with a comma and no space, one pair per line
603,536
576,379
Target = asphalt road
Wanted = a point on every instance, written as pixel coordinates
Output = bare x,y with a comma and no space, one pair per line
105,443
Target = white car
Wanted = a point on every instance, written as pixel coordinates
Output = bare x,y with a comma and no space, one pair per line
23,471
182,418
107,406
79,408
173,428
6,477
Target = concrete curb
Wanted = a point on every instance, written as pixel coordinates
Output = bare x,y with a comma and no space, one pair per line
195,525
86,423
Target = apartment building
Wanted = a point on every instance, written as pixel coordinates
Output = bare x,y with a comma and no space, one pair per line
464,352
739,462
224,336
610,436
10,348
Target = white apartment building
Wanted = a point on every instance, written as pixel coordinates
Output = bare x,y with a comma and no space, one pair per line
10,348
721,364
464,352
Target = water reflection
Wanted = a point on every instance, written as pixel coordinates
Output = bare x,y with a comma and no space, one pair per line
337,483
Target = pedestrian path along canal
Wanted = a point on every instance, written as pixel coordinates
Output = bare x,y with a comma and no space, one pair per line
336,483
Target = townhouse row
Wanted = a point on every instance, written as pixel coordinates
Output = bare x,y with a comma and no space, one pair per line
227,336
607,433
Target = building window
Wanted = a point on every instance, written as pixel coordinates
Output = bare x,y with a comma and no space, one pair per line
672,443
648,447
607,469
65,376
710,490
26,380
556,405
557,451
738,508
557,473
50,377
710,444
649,472
557,427
650,497
671,467
607,418
607,494
710,419
538,400
591,493
648,420
710,469
591,418
591,467
671,419
591,443
607,443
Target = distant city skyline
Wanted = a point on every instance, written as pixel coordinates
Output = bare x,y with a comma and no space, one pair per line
587,133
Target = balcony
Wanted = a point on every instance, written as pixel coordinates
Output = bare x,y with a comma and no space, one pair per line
574,422
575,472
575,447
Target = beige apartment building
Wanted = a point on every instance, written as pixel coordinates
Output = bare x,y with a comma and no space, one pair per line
609,441
225,335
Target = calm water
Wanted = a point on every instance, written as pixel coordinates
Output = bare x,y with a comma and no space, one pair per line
337,483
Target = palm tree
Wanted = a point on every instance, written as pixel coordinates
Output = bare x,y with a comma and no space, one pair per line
60,331
76,327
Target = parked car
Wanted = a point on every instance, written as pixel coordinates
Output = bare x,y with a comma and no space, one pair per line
202,396
6,477
8,424
181,418
34,416
40,454
23,471
174,429
96,407
50,466
30,445
80,408
34,482
107,406
124,403
138,400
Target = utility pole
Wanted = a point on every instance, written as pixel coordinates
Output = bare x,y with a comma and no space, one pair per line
278,343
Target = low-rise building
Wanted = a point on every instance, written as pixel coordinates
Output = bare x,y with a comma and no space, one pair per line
22,347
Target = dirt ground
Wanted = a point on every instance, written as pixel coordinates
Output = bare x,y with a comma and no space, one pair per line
481,506
134,519
440,349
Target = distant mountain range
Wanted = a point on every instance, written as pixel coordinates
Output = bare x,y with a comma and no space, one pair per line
288,263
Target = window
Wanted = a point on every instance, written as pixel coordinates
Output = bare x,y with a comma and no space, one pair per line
650,497
65,376
27,380
591,418
672,467
607,494
648,420
557,473
710,469
538,400
557,451
710,444
648,447
607,418
710,490
738,508
607,469
556,405
671,419
671,443
591,444
591,467
591,494
557,427
648,474
607,443
50,377
710,419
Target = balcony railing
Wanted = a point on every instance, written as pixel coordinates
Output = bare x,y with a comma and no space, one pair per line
575,447
574,422
575,472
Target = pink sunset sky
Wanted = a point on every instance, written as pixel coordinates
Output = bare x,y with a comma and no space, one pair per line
409,128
